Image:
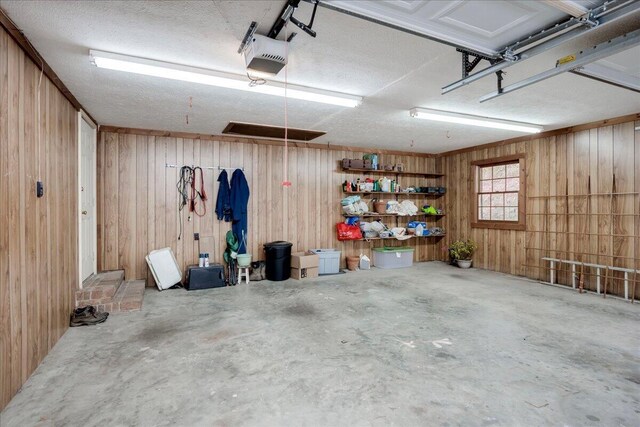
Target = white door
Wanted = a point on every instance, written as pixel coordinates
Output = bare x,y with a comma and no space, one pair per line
88,226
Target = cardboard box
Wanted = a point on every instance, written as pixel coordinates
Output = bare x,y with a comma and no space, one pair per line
304,273
304,260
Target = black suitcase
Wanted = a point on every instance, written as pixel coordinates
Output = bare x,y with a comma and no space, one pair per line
204,277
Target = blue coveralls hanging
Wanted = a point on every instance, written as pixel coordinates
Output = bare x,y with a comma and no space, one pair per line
239,199
223,201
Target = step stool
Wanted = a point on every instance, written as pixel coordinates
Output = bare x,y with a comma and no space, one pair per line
243,271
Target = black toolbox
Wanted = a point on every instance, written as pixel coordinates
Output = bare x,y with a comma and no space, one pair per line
204,277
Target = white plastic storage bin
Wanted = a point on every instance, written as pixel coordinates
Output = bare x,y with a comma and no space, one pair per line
398,257
329,261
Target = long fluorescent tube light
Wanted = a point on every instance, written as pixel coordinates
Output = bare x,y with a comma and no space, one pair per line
467,119
148,67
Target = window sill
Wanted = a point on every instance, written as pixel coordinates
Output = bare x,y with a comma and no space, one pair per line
499,225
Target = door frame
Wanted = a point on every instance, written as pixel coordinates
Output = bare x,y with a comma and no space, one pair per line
84,116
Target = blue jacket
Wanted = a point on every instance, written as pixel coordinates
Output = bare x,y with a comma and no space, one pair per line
239,199
223,202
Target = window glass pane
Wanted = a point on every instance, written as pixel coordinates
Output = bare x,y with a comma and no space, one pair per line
499,190
499,171
513,184
485,173
497,214
498,185
511,199
513,170
497,200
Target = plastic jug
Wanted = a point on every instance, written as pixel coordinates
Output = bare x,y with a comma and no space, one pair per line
385,185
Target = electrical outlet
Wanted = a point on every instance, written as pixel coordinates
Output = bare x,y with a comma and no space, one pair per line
196,236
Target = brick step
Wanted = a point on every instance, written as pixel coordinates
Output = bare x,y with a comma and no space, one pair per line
128,298
99,288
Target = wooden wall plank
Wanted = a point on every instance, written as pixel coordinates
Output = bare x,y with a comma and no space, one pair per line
151,206
111,203
100,181
30,219
127,193
592,227
160,208
13,220
624,172
6,390
141,214
562,206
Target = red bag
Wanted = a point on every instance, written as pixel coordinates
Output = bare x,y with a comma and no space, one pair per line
348,232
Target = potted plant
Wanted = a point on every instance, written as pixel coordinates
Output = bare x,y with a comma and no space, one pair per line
461,251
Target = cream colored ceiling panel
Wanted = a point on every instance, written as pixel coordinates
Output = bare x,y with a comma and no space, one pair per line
409,6
476,19
482,25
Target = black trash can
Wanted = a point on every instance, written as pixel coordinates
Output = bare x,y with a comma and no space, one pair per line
278,264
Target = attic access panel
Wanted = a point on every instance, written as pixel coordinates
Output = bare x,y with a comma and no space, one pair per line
476,25
273,132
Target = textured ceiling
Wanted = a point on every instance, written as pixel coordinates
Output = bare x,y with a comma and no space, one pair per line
392,70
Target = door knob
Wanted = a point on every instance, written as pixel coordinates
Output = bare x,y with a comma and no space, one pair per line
84,212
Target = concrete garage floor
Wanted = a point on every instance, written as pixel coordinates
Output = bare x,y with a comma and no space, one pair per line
365,348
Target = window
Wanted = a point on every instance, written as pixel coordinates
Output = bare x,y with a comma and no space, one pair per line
499,199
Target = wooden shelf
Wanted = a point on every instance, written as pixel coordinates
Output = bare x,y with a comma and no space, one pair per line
393,238
434,195
393,172
392,215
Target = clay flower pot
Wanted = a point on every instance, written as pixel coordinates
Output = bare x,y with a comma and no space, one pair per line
464,263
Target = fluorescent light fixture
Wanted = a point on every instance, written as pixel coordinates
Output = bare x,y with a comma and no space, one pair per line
467,119
148,67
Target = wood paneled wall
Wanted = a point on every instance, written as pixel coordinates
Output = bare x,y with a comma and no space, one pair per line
560,165
138,199
38,237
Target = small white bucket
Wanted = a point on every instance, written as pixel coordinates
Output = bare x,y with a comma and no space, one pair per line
244,260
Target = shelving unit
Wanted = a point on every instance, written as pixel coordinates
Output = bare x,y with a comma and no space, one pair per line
396,196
